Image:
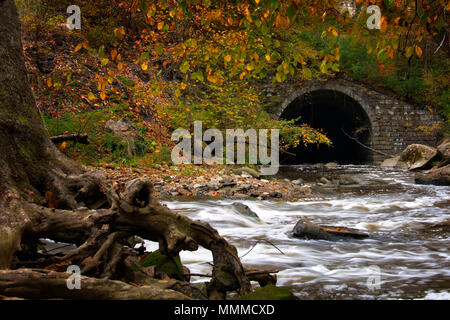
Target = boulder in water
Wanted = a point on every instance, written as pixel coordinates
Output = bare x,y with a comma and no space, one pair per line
244,210
324,180
306,230
444,150
331,165
394,163
438,177
345,179
418,156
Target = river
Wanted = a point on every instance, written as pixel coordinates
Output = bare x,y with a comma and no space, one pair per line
408,250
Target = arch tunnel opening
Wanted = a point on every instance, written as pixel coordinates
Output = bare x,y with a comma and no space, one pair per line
341,118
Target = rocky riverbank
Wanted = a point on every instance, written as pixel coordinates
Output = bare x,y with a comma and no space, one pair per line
233,182
224,182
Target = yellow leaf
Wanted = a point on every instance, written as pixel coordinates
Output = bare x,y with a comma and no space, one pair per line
183,85
49,82
268,57
160,25
409,52
103,95
91,96
334,32
144,66
419,51
227,58
120,66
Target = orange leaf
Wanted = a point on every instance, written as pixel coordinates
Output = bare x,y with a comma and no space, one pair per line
113,53
63,146
78,47
48,195
419,51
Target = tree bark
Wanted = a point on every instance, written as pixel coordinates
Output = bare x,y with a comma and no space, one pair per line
43,194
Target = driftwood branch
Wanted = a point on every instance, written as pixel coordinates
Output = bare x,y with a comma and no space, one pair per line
367,147
247,273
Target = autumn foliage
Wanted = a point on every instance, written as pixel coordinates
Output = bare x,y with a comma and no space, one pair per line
212,60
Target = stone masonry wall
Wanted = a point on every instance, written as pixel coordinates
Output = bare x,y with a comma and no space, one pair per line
394,122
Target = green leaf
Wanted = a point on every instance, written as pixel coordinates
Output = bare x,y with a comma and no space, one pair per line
290,12
184,67
409,51
198,76
307,73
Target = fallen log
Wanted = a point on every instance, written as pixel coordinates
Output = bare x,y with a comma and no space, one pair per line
80,138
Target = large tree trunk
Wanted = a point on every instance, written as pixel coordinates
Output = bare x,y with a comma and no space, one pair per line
99,220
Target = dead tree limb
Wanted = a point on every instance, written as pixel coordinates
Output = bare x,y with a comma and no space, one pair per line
367,147
77,138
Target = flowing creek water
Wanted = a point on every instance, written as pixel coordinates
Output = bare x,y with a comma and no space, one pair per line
409,244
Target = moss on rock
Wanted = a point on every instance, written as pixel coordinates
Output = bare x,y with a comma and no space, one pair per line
269,292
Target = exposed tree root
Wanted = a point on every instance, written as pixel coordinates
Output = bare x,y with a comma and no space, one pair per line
106,237
44,284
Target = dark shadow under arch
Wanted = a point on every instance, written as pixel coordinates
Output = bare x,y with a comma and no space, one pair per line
337,114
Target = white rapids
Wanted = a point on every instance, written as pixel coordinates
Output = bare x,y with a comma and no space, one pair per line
409,243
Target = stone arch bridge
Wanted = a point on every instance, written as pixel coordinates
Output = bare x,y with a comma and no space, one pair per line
352,115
